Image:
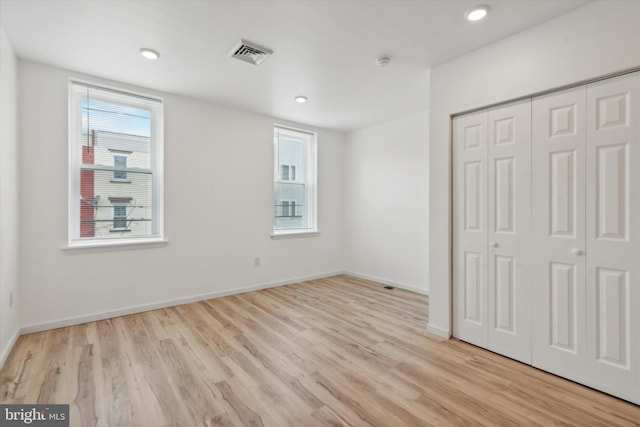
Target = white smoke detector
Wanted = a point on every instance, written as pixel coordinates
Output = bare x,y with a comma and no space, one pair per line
250,52
383,61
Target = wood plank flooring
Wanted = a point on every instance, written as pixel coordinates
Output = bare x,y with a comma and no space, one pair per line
336,351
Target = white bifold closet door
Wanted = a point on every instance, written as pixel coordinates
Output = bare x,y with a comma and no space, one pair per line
492,188
586,235
546,233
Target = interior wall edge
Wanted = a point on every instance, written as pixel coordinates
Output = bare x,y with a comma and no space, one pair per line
9,198
438,330
386,215
6,351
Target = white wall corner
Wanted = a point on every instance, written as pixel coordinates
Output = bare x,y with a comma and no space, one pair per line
439,331
386,215
9,197
6,350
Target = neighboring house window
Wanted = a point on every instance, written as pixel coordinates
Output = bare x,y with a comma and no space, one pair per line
114,138
122,210
120,163
119,218
284,212
288,208
294,181
288,172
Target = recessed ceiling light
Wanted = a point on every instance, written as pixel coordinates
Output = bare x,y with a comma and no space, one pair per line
149,53
301,99
477,13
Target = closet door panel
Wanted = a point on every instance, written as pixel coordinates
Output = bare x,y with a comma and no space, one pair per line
613,236
470,228
546,233
558,228
509,208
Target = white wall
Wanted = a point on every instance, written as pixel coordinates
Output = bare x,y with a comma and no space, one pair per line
387,202
218,211
9,218
597,39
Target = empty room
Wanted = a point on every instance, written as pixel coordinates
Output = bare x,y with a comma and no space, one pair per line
319,212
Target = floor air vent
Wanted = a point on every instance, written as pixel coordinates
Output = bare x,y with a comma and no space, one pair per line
250,52
389,287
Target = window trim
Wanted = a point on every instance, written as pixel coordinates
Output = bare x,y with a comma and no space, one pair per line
153,103
310,182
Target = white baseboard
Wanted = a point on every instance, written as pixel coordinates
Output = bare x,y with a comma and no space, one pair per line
437,330
388,282
70,321
8,347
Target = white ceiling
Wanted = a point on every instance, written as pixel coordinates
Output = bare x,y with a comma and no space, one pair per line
325,50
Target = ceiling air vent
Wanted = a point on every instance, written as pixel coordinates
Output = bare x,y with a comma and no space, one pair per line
250,52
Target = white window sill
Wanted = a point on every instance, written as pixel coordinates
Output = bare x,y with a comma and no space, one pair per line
114,245
293,234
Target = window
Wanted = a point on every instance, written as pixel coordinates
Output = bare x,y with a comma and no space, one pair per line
288,208
120,163
288,172
119,218
294,181
122,207
114,138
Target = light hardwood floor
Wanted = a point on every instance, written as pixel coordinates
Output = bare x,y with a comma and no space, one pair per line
336,351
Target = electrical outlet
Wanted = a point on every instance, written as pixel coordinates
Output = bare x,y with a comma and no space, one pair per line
11,299
256,262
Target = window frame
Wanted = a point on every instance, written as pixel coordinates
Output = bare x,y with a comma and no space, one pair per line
77,89
310,206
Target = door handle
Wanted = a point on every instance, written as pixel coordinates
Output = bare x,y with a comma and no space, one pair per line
577,251
493,244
